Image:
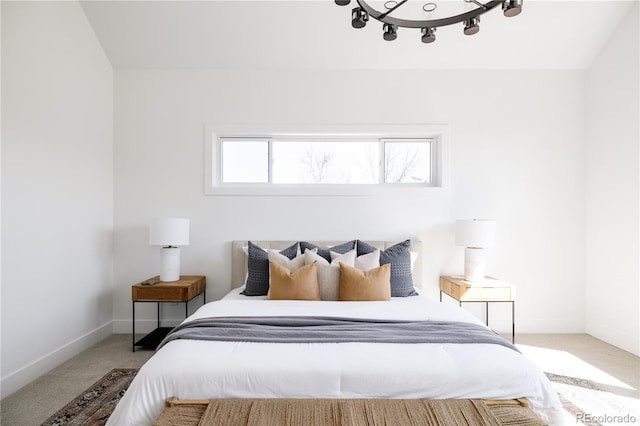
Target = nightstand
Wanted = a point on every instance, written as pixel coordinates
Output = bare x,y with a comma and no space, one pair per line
488,291
182,291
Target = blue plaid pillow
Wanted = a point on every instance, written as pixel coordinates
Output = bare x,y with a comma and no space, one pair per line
399,256
258,269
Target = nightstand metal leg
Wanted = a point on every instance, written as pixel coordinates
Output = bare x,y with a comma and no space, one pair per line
133,327
513,322
486,313
158,315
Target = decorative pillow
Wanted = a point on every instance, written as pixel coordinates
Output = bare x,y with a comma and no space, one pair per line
368,261
299,285
357,285
325,253
399,257
414,257
291,264
329,273
258,268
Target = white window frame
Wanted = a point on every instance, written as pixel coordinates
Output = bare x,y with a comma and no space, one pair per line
434,166
213,184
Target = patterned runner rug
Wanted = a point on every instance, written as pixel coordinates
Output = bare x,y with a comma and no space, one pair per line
94,406
594,404
576,382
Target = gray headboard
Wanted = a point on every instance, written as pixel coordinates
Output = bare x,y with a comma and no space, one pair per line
239,259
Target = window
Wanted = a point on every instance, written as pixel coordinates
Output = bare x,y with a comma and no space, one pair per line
301,161
321,163
245,160
408,161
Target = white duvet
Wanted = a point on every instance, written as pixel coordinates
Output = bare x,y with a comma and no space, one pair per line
190,369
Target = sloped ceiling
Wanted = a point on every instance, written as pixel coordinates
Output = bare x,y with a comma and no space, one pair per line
242,34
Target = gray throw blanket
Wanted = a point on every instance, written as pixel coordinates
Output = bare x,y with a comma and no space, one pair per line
295,329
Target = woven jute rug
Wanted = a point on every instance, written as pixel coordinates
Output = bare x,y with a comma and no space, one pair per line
352,412
95,405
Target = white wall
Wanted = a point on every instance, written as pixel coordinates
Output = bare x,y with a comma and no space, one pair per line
516,155
57,188
613,189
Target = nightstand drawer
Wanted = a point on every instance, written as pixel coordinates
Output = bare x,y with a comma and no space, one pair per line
156,293
491,290
485,293
183,290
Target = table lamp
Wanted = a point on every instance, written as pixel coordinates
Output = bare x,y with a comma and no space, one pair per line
475,235
169,233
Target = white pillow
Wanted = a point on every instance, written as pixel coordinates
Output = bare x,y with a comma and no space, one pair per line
368,261
282,260
414,256
329,273
365,263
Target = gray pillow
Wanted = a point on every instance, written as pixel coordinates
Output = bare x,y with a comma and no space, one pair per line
341,248
258,268
399,256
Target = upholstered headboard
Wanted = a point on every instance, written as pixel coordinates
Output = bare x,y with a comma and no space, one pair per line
239,259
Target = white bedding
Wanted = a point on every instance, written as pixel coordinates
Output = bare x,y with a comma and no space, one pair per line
190,369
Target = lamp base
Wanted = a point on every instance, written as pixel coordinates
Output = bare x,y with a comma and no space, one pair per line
473,264
169,264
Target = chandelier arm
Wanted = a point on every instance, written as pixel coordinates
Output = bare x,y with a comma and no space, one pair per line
431,23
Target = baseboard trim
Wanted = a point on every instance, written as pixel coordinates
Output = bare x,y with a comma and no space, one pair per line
25,375
614,336
549,325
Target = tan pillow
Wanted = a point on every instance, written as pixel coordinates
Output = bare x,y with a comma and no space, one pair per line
298,285
357,285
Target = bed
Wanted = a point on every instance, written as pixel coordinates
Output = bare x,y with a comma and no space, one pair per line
216,369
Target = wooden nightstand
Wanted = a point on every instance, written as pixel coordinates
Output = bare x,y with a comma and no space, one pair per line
489,290
182,291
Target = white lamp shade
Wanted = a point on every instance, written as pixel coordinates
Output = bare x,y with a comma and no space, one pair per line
169,232
480,233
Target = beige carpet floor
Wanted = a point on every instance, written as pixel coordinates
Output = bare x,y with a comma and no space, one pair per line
34,403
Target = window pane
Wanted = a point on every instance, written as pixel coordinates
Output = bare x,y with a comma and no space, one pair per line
407,162
245,161
334,162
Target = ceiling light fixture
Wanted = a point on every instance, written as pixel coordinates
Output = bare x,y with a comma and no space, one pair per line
470,17
510,8
390,32
359,17
472,26
428,35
